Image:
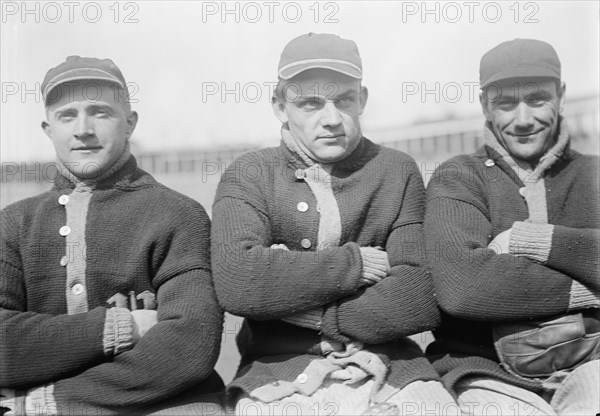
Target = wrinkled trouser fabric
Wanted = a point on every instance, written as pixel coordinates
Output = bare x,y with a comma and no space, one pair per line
578,394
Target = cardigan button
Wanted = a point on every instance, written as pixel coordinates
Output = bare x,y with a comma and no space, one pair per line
305,243
489,163
63,199
302,378
77,289
302,206
64,260
522,191
65,230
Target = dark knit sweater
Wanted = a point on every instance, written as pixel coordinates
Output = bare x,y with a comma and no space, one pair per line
380,196
472,199
139,236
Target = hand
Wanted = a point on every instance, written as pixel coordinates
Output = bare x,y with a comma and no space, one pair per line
280,246
144,320
501,243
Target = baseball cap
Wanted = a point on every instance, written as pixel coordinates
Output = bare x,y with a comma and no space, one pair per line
519,58
314,50
80,68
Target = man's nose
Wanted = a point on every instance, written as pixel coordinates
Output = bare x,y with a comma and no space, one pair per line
83,127
331,115
523,116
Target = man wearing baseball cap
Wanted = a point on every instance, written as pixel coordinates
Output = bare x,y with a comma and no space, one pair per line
318,244
106,297
520,291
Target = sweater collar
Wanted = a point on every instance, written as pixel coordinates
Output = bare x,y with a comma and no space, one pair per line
364,151
123,167
521,167
292,145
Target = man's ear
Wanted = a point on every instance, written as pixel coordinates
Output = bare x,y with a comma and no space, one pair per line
364,96
280,111
562,99
46,127
132,120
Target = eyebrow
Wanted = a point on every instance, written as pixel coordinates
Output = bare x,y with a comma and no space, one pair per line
543,95
535,95
95,107
336,95
348,93
65,111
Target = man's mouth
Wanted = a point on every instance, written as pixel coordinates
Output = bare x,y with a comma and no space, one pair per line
525,136
87,148
330,137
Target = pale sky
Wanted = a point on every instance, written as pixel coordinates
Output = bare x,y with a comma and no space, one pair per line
180,56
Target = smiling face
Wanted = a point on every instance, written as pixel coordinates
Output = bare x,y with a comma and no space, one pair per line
321,108
89,125
523,114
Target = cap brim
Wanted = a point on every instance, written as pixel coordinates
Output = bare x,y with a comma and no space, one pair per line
345,68
91,74
522,72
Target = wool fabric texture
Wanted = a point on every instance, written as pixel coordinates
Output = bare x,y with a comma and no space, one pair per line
472,199
261,201
136,236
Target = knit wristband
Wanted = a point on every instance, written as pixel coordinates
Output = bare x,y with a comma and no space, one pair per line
119,331
375,263
581,297
531,240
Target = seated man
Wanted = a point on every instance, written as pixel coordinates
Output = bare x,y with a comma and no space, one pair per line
106,298
318,244
513,240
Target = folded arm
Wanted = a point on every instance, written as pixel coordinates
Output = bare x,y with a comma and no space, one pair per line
256,281
176,353
472,281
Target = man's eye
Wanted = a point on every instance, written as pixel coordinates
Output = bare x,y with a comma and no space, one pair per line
505,104
66,117
311,104
101,113
535,101
345,102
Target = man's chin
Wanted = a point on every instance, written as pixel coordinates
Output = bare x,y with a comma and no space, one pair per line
524,152
84,168
331,154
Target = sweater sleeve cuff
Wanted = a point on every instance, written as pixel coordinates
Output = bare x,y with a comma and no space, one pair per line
119,331
309,319
330,326
530,240
375,263
582,297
